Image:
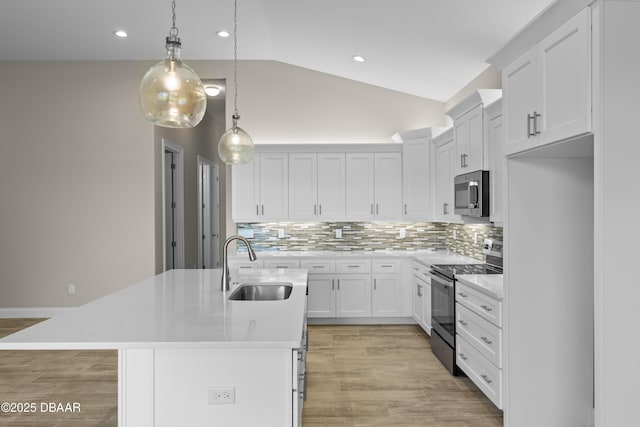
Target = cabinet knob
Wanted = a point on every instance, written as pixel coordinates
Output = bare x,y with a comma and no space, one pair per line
486,379
463,357
486,308
462,322
463,295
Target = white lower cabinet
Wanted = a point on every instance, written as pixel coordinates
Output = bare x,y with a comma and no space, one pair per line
422,296
386,298
479,340
353,295
322,298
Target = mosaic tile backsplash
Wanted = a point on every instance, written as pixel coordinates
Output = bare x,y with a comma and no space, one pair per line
368,236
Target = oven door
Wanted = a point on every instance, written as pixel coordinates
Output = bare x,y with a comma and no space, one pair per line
442,307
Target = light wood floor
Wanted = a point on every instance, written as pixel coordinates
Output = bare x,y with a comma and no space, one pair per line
357,376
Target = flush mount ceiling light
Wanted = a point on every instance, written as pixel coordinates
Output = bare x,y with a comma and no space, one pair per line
121,34
212,90
358,58
171,93
223,33
235,146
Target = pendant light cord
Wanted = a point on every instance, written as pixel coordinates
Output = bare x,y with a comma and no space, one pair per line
173,32
235,57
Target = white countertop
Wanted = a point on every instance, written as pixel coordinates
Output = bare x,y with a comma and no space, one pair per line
489,284
177,309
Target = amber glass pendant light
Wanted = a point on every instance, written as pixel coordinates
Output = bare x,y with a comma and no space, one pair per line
235,146
171,93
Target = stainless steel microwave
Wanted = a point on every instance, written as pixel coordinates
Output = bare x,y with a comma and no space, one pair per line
471,193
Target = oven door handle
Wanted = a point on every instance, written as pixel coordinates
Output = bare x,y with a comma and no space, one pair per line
439,280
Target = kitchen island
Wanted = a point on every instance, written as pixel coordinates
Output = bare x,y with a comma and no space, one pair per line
187,355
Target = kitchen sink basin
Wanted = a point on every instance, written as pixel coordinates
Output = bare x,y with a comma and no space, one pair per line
272,291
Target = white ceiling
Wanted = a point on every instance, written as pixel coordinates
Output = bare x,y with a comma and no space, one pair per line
428,48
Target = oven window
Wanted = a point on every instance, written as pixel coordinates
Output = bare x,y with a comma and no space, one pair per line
462,196
442,309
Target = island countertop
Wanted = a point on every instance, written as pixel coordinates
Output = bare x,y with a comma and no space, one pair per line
176,309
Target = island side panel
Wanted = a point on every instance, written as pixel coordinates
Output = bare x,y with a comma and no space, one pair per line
135,388
188,383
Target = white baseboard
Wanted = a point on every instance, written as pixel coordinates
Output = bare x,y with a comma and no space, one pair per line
361,321
31,312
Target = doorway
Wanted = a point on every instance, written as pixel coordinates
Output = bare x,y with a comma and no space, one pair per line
173,205
208,213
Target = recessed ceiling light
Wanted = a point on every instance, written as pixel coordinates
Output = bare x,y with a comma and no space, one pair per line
223,33
212,90
121,34
358,58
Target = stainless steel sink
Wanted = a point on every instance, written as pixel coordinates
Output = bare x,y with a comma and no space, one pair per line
271,291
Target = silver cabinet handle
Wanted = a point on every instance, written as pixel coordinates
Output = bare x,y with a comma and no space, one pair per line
462,295
338,284
371,208
461,160
487,340
405,208
386,266
333,285
320,210
536,116
463,357
462,322
377,210
257,209
529,118
445,208
353,266
487,308
419,290
314,210
486,378
262,209
375,284
282,266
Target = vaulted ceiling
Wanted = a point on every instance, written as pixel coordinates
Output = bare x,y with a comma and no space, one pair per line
428,48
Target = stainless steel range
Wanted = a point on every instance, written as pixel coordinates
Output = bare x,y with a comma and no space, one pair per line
443,302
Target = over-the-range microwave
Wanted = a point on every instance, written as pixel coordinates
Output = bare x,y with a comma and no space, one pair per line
471,193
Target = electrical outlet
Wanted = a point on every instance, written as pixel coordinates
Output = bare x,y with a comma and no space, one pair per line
403,233
222,395
71,289
475,238
338,233
455,234
280,233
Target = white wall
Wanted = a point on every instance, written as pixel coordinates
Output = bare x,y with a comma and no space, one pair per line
79,190
490,78
76,180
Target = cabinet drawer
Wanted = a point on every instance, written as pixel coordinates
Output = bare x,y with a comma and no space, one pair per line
282,263
479,303
353,266
481,371
318,265
483,335
421,271
246,265
384,266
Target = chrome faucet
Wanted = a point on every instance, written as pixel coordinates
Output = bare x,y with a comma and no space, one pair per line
225,263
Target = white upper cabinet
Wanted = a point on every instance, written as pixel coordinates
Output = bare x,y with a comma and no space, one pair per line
468,131
331,185
416,173
316,185
374,186
303,185
360,189
260,188
495,138
468,136
443,166
547,90
388,186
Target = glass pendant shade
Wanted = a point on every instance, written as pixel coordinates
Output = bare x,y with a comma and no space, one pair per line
235,146
171,93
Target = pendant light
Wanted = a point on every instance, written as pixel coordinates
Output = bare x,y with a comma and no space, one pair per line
235,146
171,93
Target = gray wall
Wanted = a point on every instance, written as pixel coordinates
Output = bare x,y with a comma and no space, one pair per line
79,181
